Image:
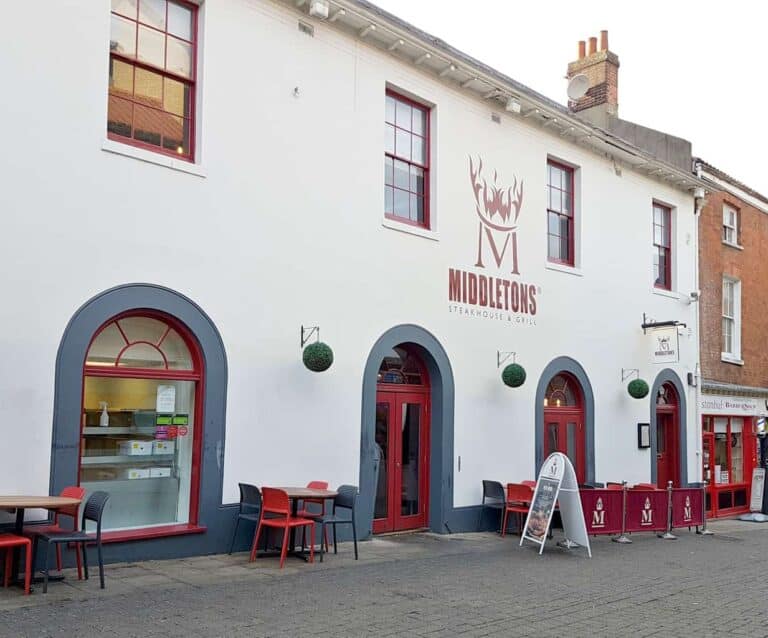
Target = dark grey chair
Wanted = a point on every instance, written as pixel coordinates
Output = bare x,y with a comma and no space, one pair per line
345,499
494,497
93,511
250,509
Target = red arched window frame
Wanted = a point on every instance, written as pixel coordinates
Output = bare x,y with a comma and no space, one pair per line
195,375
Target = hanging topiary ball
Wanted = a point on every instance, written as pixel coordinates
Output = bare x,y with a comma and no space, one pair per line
638,388
318,357
513,375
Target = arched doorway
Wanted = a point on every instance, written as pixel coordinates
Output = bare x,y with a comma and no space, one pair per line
402,438
564,429
142,419
667,440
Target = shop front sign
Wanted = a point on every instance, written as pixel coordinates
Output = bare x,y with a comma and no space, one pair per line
496,291
732,406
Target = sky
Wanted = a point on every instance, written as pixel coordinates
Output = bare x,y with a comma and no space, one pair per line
696,70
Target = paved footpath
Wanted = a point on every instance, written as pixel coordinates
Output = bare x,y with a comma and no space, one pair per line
426,585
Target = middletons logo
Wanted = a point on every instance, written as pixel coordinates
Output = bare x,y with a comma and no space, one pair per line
497,209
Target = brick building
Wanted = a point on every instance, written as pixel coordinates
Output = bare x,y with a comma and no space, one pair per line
733,228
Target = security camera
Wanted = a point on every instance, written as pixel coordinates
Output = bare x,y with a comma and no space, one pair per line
694,296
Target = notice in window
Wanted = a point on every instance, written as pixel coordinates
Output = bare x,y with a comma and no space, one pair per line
166,399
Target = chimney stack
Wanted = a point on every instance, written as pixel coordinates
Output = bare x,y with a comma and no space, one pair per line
602,69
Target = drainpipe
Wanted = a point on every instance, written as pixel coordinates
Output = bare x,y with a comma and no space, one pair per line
699,202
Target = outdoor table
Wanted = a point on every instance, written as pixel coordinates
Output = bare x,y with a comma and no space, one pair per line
19,504
296,494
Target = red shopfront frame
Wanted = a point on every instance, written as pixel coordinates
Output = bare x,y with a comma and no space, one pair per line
728,499
198,378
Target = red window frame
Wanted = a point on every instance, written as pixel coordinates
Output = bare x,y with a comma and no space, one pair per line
393,156
566,212
662,232
190,82
195,375
749,459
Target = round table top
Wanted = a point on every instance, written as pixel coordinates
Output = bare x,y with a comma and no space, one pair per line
44,502
307,492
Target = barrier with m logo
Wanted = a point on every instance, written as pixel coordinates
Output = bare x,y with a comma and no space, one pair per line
646,511
602,511
687,507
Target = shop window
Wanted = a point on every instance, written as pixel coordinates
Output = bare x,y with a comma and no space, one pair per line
730,225
731,319
140,417
662,247
406,160
152,75
560,213
729,450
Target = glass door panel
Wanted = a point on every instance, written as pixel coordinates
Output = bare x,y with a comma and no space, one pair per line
381,507
410,451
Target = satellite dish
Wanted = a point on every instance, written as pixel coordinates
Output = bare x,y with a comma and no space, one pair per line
578,86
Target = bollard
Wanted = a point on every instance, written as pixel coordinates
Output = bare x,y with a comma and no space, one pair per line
668,535
704,531
623,537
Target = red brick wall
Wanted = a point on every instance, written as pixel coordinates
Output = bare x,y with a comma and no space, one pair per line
750,266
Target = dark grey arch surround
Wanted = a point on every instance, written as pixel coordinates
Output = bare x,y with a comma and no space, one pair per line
65,448
566,364
441,442
670,376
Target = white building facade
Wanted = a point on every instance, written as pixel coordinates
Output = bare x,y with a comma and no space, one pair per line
222,178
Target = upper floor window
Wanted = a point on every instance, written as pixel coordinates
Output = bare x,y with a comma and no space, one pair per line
731,318
730,225
152,73
560,213
662,247
406,160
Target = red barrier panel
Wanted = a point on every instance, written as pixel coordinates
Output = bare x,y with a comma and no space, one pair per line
687,507
602,511
646,511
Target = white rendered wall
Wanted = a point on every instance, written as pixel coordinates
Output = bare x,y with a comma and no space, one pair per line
286,228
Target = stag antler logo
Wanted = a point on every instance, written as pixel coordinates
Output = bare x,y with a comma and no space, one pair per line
497,210
664,343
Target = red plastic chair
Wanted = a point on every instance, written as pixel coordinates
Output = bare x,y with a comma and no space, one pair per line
305,513
614,486
277,503
529,483
34,530
9,542
519,497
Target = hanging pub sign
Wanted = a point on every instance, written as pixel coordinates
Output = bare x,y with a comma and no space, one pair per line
556,487
664,345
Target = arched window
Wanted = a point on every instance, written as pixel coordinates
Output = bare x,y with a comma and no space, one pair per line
562,392
401,367
564,421
666,396
140,420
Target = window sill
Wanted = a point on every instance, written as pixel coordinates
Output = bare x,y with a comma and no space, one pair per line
161,531
726,358
410,229
569,270
732,245
665,293
153,158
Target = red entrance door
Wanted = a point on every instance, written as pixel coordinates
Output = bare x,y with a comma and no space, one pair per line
564,432
667,468
402,435
564,421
